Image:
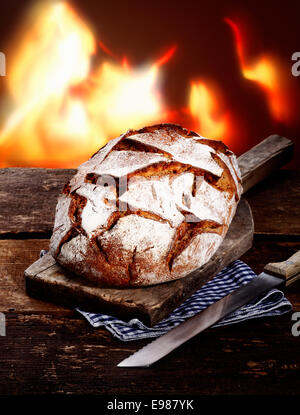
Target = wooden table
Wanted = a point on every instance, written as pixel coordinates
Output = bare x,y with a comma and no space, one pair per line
53,350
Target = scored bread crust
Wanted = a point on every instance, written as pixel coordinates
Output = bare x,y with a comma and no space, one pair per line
150,206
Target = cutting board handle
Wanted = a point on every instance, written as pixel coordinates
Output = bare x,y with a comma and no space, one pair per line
263,159
289,269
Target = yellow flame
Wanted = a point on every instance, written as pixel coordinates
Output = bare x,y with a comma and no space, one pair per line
123,97
266,74
52,55
58,119
262,72
203,106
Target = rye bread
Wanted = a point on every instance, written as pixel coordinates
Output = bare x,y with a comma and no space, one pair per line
150,206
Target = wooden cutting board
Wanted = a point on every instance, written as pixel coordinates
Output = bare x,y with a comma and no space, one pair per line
46,280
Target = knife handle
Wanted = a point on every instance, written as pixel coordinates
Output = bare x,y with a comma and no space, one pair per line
289,269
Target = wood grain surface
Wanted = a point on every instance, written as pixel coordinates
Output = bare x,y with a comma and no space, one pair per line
28,197
275,204
48,349
66,356
264,158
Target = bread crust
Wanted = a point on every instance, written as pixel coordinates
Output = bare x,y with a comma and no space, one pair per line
151,206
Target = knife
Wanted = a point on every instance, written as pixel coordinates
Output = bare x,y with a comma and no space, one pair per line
275,274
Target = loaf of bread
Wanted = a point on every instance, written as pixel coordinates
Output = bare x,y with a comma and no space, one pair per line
150,206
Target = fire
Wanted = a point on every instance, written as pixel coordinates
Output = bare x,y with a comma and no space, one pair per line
204,106
267,72
53,55
123,97
63,110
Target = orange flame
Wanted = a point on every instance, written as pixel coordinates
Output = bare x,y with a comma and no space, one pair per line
106,49
166,57
204,107
64,110
267,72
122,97
63,113
52,56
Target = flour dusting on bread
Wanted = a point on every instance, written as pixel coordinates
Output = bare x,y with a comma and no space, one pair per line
151,206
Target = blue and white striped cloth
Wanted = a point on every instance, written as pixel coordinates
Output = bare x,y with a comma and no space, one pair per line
230,278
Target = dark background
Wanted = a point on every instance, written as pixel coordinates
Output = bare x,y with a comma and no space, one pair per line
205,48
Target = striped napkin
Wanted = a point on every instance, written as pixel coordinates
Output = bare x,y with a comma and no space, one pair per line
229,279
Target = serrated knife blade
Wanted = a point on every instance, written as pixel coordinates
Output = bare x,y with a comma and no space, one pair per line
280,273
165,344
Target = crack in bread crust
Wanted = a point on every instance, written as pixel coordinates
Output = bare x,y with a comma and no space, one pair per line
91,178
231,187
100,248
218,146
131,275
130,144
173,168
166,127
75,210
149,129
72,233
185,232
66,189
117,215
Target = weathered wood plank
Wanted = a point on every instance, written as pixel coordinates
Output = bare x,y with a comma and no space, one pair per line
15,257
28,197
267,156
47,280
275,204
42,354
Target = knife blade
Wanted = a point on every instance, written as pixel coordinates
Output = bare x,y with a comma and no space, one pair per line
274,275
